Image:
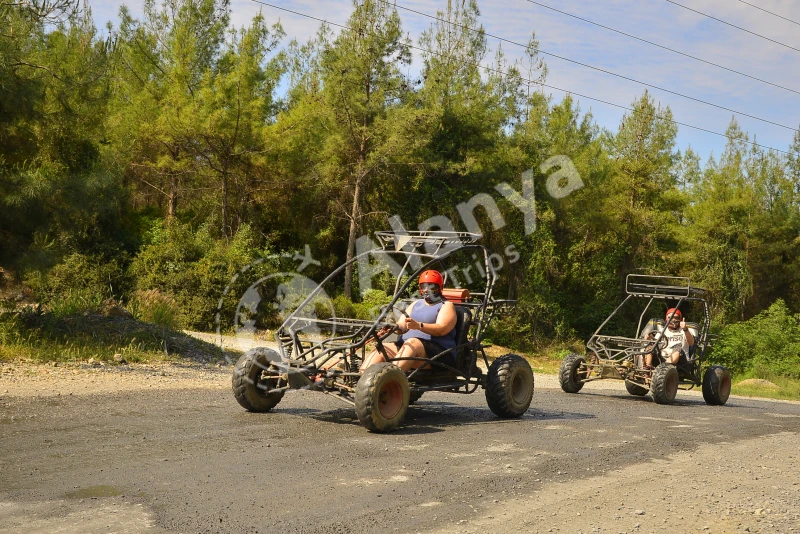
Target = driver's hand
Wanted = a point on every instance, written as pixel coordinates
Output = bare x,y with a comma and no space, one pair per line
683,325
385,330
402,323
411,324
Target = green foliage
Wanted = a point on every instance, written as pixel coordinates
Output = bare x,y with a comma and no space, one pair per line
368,309
46,337
155,307
194,268
153,165
80,273
768,345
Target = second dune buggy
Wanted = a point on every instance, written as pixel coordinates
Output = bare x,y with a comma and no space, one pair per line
324,353
618,349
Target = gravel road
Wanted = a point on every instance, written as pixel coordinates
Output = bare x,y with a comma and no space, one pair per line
165,448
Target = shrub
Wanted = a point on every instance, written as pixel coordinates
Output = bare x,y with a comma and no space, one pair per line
195,268
78,283
765,346
155,307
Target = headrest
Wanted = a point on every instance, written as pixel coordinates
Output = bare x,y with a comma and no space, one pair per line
456,295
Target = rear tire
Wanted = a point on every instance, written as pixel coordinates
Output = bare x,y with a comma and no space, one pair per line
635,389
249,386
664,384
382,397
569,375
509,386
716,385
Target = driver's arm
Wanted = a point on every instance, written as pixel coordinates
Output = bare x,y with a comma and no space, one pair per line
402,322
445,321
689,336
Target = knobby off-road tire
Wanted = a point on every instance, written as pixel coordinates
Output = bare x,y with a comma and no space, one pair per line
509,386
382,396
716,385
634,389
414,396
569,374
664,384
248,387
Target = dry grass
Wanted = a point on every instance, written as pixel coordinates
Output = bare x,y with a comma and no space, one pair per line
787,389
82,336
542,362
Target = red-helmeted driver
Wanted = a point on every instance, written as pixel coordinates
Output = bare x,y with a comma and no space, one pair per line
676,340
429,326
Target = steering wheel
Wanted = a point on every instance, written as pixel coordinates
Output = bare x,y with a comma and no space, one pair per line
383,333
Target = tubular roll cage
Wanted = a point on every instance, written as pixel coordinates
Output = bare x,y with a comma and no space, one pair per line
302,356
620,351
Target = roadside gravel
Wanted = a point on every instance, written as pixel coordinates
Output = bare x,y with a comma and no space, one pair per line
751,485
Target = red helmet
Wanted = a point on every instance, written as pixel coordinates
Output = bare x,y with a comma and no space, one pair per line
678,313
431,277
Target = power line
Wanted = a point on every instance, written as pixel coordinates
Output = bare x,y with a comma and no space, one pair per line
664,47
496,71
706,102
734,26
770,12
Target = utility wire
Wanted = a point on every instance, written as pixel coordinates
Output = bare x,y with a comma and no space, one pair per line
664,47
682,95
496,71
770,12
734,25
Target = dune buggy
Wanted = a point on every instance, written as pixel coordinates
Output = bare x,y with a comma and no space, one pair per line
618,351
323,353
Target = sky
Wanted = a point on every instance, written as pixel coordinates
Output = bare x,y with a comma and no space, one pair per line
659,21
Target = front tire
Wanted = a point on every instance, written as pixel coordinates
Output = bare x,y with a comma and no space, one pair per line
249,384
716,385
569,374
664,384
509,386
382,396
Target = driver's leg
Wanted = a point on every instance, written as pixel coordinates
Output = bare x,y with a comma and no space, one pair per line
412,348
674,357
377,357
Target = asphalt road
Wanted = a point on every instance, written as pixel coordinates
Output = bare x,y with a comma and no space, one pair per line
191,460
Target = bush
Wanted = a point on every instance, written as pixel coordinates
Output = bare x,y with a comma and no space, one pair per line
368,309
195,268
79,283
768,345
155,307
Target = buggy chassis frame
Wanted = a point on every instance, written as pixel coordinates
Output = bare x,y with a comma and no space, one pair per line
303,361
619,357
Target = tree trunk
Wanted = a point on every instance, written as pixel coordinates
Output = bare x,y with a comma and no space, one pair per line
225,204
351,238
172,205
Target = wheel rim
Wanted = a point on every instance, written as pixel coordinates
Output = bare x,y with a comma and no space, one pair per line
577,374
519,388
725,386
390,399
671,386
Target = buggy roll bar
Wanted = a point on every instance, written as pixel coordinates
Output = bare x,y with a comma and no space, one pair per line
416,239
485,309
642,285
